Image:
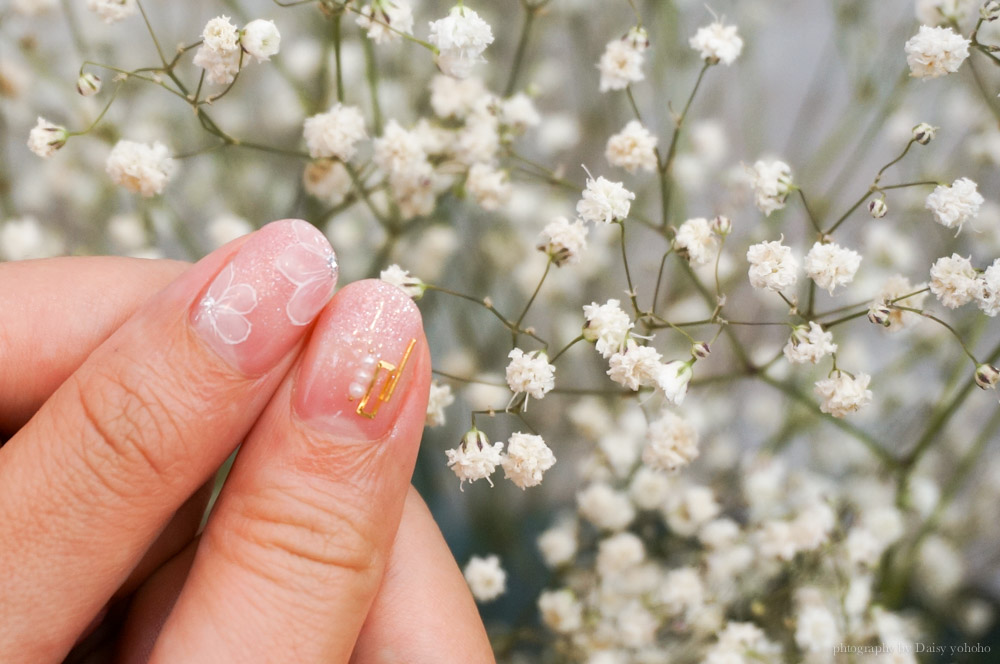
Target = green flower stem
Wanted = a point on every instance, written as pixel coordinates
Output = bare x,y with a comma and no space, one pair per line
809,212
628,274
566,348
530,12
531,300
666,182
948,327
488,305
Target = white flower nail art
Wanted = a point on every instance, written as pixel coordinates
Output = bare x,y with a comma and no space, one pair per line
226,305
311,265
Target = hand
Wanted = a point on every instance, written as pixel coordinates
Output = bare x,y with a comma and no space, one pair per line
134,404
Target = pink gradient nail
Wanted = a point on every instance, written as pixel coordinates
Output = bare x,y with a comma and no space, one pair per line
256,308
359,362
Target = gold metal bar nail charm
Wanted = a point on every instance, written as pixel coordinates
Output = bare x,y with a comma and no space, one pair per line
393,371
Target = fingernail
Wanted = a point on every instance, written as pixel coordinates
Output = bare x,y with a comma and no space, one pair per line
257,307
359,362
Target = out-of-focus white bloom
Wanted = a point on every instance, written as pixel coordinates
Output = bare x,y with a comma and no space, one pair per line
460,38
402,279
953,280
385,19
809,344
220,35
673,378
490,186
636,366
843,394
451,97
220,67
604,507
717,43
990,11
474,458
742,643
682,592
934,52
327,180
111,11
619,553
816,630
632,148
45,138
261,39
24,238
479,139
896,287
32,7
139,167
519,113
940,563
776,539
772,266
608,325
530,373
943,12
672,443
88,84
335,133
812,527
696,241
636,625
563,240
862,547
831,265
988,289
622,60
885,523
604,201
953,206
560,610
398,152
720,533
558,544
486,578
225,228
527,459
690,509
649,488
128,234
771,183
439,399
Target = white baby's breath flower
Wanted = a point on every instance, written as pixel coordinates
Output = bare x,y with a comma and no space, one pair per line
809,344
622,60
816,630
896,287
530,373
636,366
604,202
111,11
452,97
955,205
831,265
460,38
688,510
560,610
88,84
672,443
227,227
335,133
220,67
717,43
475,458
25,238
527,459
604,507
386,19
607,325
139,167
558,544
518,113
489,186
942,12
440,398
953,280
843,394
696,241
771,183
486,578
563,240
673,378
402,279
934,52
987,291
618,553
45,138
772,266
261,39
327,180
220,35
632,148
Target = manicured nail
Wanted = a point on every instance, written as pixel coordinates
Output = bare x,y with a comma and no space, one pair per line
256,308
359,362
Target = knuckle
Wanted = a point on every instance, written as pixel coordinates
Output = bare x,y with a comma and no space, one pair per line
300,529
129,427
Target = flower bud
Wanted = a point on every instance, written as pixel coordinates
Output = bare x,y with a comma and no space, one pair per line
987,376
88,84
701,350
877,208
879,313
990,11
923,133
261,39
722,225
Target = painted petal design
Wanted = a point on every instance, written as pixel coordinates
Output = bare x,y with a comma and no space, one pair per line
239,299
302,264
232,328
307,300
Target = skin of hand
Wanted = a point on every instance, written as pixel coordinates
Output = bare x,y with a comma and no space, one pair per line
120,407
